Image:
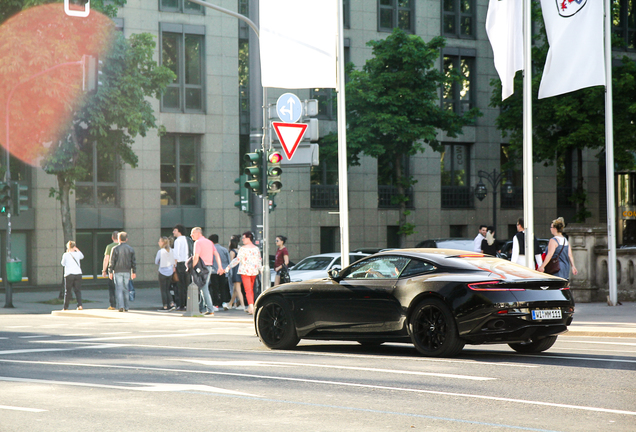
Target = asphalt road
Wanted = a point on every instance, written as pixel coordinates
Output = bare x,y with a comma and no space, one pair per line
150,373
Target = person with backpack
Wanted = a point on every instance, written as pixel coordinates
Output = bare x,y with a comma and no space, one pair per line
183,249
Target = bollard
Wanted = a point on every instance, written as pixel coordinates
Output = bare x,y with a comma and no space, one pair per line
192,306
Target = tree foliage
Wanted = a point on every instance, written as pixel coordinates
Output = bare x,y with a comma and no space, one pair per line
394,110
572,122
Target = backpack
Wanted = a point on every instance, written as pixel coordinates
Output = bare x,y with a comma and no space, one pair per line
190,246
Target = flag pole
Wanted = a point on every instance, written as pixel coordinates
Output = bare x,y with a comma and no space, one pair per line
609,159
343,198
528,201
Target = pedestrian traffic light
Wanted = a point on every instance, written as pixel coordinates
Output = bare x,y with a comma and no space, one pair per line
19,196
274,171
5,198
272,205
243,203
254,171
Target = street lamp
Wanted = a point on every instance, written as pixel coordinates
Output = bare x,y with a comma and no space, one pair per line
495,180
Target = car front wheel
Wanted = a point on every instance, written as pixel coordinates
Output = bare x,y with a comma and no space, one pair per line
275,324
433,329
534,346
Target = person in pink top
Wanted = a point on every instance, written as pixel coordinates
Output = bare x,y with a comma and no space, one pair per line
205,251
250,263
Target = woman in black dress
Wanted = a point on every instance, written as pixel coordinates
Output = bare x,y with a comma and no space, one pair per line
489,244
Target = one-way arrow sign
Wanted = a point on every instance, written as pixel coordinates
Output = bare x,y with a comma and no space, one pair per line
290,135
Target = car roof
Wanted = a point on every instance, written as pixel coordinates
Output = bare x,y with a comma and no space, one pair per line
334,255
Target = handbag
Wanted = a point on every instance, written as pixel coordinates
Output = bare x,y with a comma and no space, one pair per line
554,266
284,275
175,277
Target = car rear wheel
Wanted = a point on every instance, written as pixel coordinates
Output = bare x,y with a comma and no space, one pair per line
275,324
534,346
433,329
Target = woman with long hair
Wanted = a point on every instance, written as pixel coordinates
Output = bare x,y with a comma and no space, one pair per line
233,277
282,257
559,244
489,244
166,262
250,263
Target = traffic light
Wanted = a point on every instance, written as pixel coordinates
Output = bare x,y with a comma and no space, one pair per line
243,203
18,197
274,171
272,205
254,172
5,198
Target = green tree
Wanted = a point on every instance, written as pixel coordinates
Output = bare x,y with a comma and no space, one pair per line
567,124
112,117
394,110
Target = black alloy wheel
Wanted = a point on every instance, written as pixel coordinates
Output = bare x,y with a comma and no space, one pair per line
534,346
433,329
275,324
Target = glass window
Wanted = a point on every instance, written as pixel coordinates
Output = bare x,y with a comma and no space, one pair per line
182,6
457,95
179,170
624,22
384,267
98,186
92,244
455,171
183,54
458,18
396,13
314,263
416,267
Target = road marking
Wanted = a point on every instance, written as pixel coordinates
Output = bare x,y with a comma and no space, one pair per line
599,342
549,356
146,336
384,371
21,409
4,338
34,350
147,387
114,333
332,383
33,337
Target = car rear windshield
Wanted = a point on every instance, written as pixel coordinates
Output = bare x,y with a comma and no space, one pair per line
315,263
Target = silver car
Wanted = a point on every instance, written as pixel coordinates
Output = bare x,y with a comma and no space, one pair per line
316,266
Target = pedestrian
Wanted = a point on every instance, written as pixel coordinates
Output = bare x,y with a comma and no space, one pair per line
519,246
181,255
282,257
481,235
559,244
233,276
489,244
166,262
205,251
72,274
218,283
250,263
122,269
111,283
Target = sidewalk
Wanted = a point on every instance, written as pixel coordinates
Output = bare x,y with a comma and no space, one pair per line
95,303
590,319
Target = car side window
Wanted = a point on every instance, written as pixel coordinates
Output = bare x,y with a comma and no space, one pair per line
384,267
416,267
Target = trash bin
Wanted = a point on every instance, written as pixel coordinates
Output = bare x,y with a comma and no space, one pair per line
14,270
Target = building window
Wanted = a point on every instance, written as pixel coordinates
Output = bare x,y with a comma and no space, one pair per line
396,13
624,21
346,13
181,6
454,166
183,52
392,236
179,170
514,177
457,95
324,184
98,186
329,239
458,231
387,189
458,17
92,244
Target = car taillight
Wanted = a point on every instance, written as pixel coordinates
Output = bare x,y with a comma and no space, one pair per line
491,286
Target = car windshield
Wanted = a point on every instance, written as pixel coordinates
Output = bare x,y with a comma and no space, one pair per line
313,263
456,244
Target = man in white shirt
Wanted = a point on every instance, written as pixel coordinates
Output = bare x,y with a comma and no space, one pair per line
181,255
480,236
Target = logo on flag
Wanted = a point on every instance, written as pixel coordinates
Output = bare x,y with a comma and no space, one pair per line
567,8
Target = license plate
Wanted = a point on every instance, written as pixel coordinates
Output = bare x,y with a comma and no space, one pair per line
546,314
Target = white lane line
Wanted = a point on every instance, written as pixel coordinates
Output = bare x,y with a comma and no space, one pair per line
114,333
33,337
604,351
252,363
21,409
549,356
162,336
147,387
34,350
597,342
4,338
18,326
333,383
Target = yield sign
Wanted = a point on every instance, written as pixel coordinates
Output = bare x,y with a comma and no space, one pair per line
289,135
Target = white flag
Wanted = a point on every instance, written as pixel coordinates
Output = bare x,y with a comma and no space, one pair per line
298,43
576,56
504,25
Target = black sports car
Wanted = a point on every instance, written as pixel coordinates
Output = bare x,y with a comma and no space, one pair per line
437,299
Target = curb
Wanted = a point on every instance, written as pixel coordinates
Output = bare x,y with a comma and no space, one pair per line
137,314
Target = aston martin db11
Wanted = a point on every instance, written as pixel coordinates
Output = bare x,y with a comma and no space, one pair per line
437,299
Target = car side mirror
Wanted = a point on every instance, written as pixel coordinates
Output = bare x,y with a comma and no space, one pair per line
334,273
